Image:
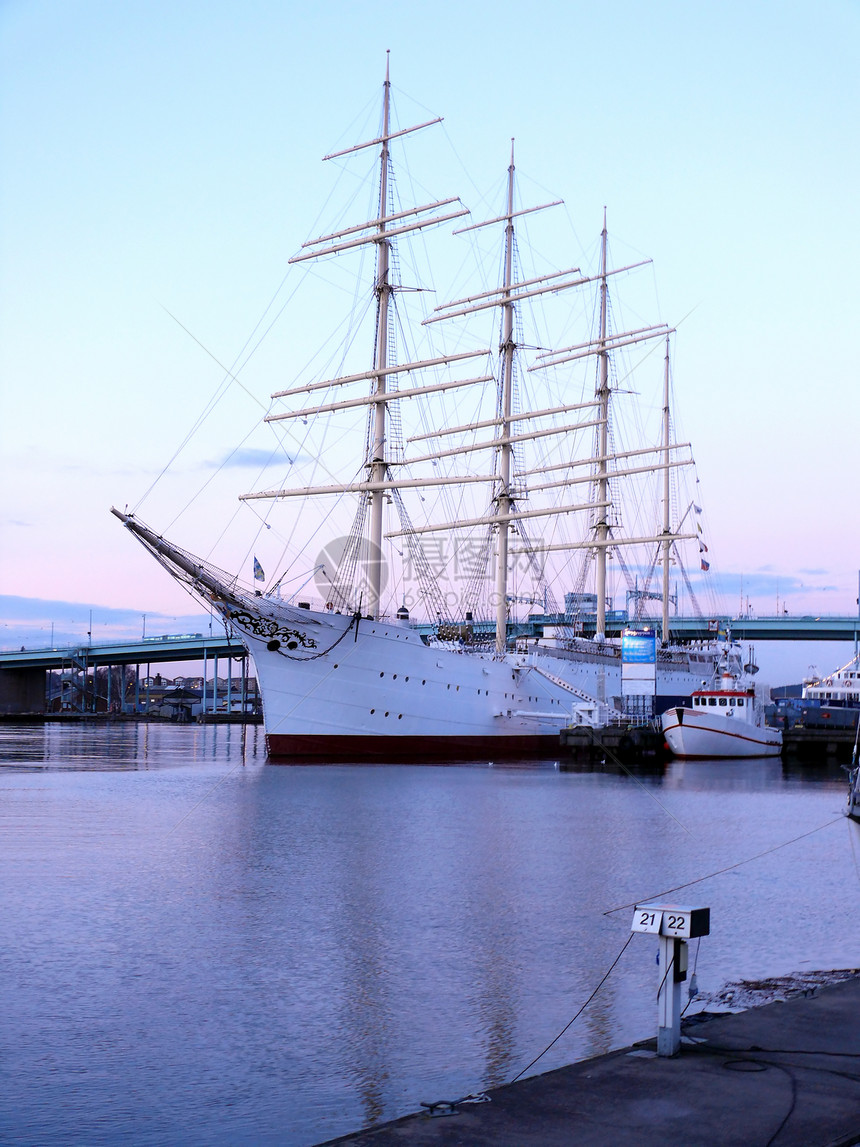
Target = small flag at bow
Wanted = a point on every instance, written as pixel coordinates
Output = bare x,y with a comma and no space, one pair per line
258,571
705,565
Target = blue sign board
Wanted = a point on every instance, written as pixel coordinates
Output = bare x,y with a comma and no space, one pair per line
639,646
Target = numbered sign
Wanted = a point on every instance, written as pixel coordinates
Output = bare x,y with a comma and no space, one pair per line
647,919
676,922
671,920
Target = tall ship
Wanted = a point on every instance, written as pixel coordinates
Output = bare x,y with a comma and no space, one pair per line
460,611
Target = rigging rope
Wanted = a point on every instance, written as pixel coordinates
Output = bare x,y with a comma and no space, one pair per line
721,871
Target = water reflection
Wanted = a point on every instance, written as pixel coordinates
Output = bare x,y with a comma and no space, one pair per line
611,765
754,773
106,746
205,948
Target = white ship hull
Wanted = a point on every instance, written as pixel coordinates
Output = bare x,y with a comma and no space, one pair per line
692,733
381,693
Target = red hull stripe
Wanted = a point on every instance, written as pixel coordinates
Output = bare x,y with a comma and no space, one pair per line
298,749
719,733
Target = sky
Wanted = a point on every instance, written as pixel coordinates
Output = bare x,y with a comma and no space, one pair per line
160,165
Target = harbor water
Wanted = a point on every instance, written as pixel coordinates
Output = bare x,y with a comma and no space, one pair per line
199,947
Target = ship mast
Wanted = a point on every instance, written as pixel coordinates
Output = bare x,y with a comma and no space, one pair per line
507,347
602,476
667,537
377,461
381,231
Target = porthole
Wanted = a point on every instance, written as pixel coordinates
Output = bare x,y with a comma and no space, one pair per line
399,716
386,712
372,711
394,678
381,674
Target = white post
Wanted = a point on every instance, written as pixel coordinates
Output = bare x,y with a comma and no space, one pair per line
673,926
669,996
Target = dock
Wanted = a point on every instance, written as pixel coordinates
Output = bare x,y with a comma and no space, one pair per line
633,744
785,1074
628,741
815,743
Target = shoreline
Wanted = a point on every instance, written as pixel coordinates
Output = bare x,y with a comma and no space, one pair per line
783,1071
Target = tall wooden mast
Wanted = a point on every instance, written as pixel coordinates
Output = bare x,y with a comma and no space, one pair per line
377,464
602,475
667,537
503,499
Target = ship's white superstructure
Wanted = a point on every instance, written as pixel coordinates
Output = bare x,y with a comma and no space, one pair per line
842,687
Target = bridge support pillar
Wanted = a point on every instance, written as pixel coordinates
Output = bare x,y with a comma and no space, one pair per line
22,692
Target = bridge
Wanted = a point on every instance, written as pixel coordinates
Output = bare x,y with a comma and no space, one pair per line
95,672
777,628
685,629
200,647
144,651
24,672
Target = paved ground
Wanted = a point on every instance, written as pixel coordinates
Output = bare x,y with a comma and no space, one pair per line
783,1075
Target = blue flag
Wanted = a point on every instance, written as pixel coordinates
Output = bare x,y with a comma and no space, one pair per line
258,571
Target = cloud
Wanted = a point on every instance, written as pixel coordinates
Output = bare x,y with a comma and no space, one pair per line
250,459
39,622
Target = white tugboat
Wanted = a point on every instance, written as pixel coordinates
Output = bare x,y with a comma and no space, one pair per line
726,721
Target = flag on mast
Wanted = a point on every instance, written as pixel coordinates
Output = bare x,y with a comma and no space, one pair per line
258,571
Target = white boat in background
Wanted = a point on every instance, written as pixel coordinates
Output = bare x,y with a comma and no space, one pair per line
841,688
852,809
524,474
726,721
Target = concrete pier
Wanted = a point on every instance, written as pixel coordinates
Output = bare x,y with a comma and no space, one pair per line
784,1075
